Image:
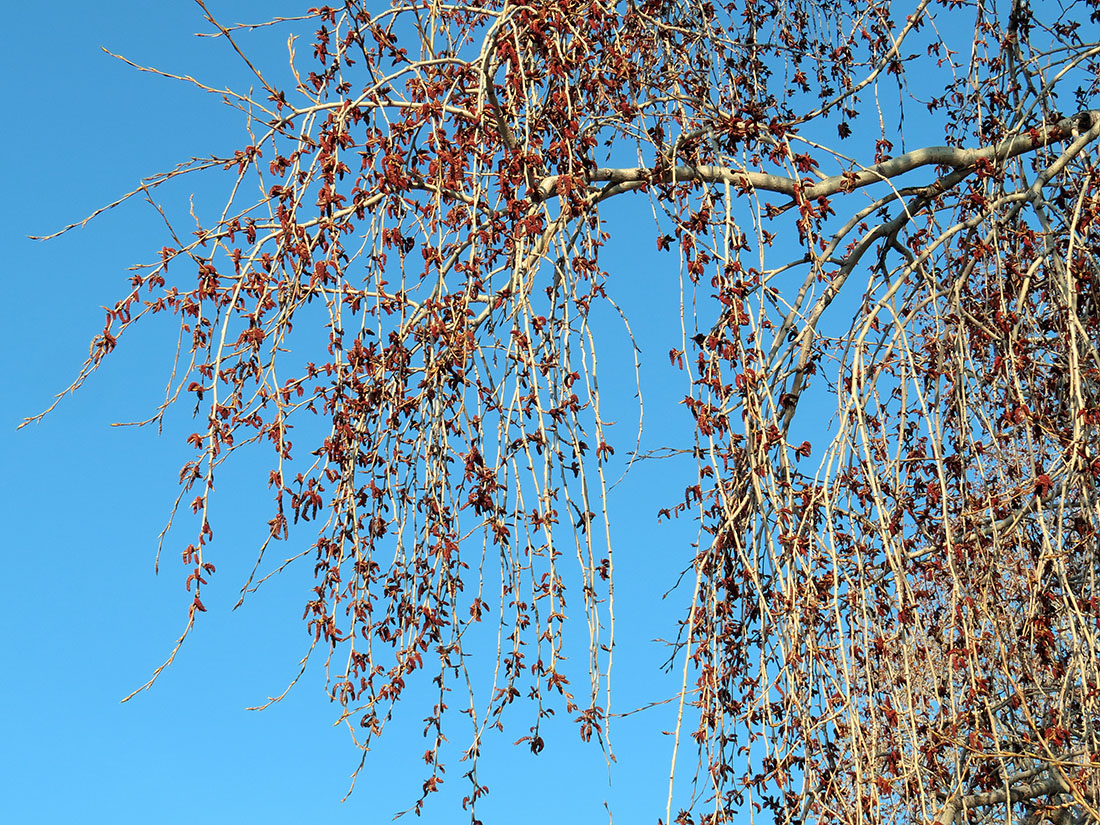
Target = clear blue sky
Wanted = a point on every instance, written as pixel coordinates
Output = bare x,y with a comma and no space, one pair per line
84,618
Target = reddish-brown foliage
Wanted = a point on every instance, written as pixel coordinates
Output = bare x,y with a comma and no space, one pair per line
897,622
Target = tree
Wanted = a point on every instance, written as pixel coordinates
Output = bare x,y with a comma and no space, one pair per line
905,628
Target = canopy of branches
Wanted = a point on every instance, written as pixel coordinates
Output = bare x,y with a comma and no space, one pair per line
878,211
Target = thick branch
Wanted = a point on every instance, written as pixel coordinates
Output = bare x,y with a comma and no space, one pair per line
1056,784
627,179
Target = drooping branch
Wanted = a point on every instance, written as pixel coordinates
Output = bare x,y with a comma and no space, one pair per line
895,597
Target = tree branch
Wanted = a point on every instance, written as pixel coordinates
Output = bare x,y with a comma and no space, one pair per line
623,179
1056,784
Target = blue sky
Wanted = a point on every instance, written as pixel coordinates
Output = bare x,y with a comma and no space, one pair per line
84,618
